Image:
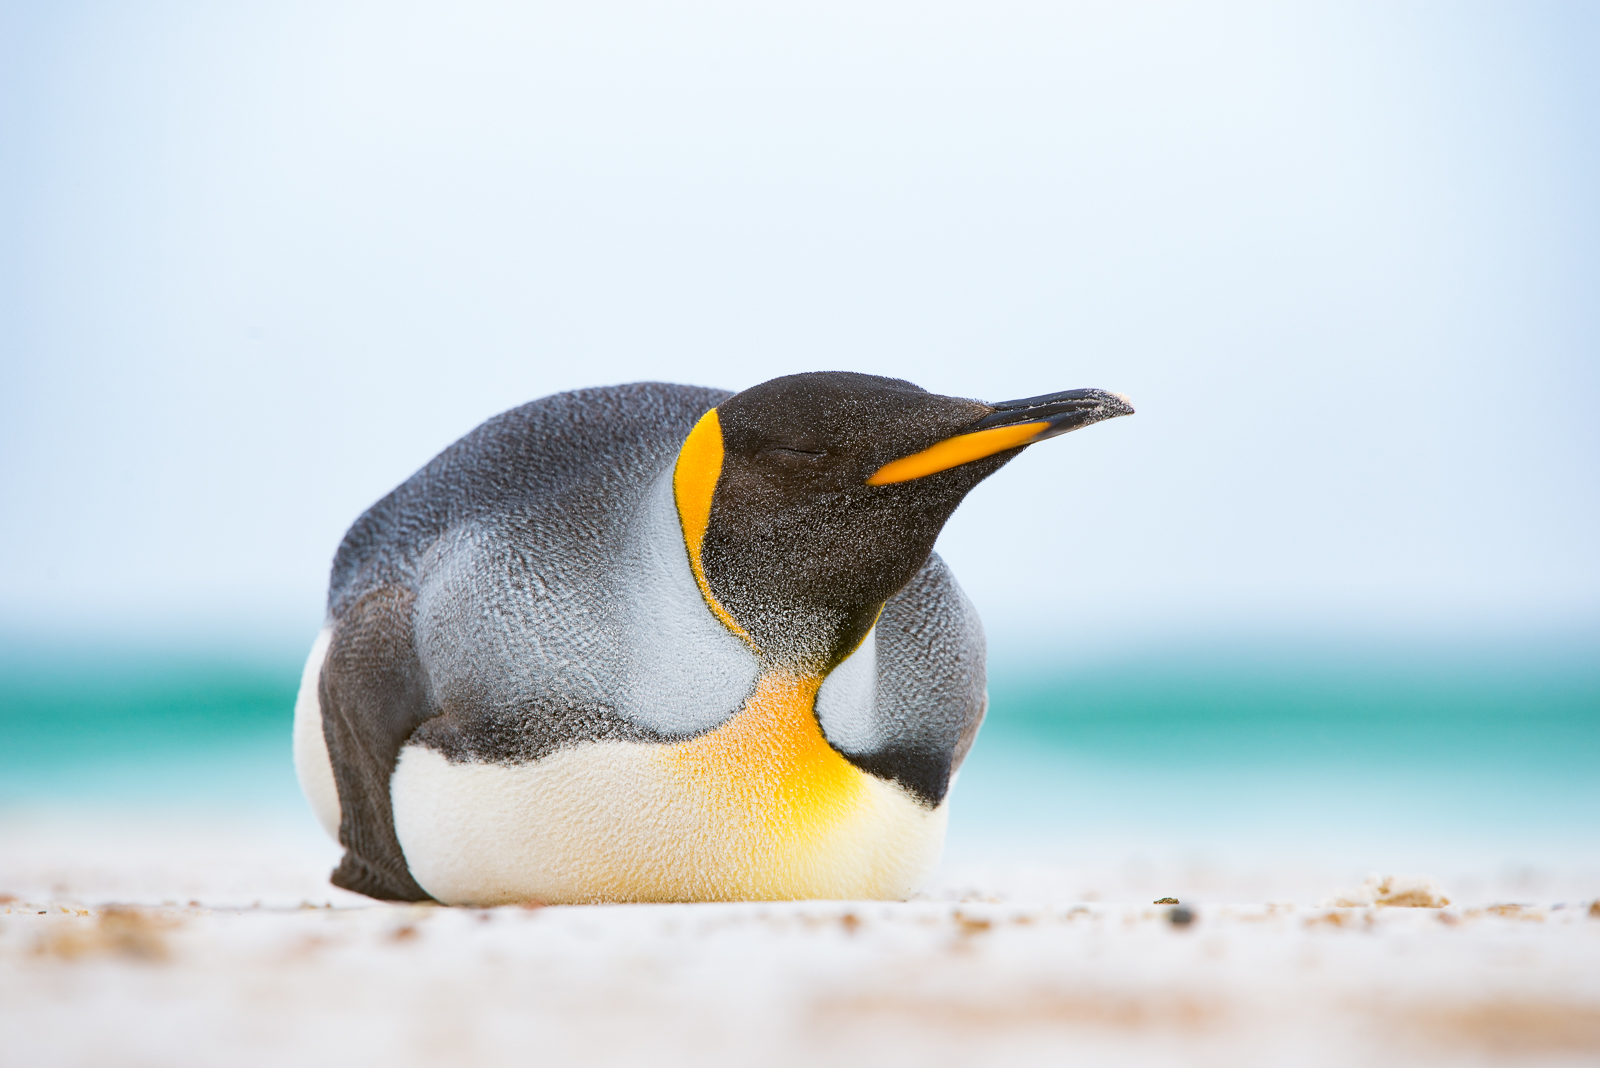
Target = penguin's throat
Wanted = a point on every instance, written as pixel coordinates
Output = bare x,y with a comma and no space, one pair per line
796,640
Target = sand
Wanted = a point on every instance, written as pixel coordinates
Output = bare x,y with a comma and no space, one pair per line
139,941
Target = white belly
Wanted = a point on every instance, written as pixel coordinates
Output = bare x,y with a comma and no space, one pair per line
760,808
311,764
614,821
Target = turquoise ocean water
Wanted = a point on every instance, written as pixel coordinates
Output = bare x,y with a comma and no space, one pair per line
1276,747
1456,754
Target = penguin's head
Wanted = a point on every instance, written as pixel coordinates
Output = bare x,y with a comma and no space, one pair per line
808,501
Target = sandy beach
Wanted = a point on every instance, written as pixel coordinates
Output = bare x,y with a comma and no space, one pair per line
145,941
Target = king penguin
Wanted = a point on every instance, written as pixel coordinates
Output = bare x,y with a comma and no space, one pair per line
662,643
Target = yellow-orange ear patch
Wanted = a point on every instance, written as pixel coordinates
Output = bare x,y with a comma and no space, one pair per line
694,482
953,452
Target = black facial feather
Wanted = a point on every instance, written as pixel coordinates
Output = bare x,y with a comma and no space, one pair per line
799,548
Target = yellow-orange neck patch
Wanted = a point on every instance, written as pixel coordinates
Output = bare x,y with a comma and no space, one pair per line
694,482
774,785
953,452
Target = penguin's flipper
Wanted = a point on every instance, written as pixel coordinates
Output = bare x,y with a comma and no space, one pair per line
931,683
373,696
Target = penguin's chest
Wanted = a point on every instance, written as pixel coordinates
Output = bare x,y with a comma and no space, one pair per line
761,807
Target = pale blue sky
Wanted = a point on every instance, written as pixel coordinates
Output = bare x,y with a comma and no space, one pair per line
260,262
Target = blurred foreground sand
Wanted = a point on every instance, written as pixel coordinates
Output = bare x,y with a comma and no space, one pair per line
132,940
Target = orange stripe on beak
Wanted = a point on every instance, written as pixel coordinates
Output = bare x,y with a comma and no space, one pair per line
953,452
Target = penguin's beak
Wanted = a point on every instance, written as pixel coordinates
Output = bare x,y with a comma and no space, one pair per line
1012,424
1068,410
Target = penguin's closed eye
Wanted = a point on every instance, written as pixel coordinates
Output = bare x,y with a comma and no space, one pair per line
793,454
